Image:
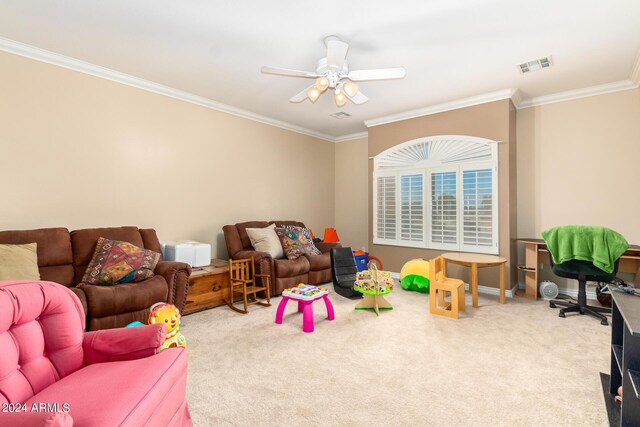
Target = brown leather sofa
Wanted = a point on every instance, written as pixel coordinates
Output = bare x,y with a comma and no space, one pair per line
63,258
285,273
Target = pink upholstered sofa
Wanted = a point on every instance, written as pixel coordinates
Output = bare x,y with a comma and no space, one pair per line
51,373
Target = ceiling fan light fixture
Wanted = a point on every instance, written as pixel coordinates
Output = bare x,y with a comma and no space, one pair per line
350,88
340,98
332,72
322,83
313,94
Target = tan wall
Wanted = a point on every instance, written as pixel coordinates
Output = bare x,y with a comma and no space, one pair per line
512,201
578,163
351,193
495,121
80,151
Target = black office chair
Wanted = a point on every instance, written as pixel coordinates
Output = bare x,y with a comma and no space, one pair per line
582,271
343,272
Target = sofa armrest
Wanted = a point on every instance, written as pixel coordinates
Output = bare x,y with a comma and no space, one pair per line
112,345
82,297
325,247
263,264
177,276
36,418
248,253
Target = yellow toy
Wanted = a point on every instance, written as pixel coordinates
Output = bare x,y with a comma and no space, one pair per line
169,315
414,275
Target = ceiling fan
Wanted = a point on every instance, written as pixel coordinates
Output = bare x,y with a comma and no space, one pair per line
332,72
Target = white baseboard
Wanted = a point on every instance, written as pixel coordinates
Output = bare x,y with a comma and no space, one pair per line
487,290
490,290
573,293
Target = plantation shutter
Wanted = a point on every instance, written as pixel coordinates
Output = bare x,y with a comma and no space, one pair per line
411,208
444,212
386,207
437,192
478,208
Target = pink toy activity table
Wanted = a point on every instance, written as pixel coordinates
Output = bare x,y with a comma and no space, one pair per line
305,295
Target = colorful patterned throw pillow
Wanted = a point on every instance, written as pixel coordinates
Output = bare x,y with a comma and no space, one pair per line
117,262
293,242
307,233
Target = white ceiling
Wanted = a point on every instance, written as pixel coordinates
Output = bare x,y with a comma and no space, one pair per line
451,49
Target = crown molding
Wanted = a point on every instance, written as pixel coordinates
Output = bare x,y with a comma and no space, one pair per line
446,106
515,95
516,98
578,93
351,137
42,55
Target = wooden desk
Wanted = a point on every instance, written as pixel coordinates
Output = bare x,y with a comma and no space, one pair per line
536,252
473,261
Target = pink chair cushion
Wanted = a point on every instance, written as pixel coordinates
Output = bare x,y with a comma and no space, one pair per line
41,326
126,393
35,419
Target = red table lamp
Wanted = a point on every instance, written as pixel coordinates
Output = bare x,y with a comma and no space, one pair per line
331,235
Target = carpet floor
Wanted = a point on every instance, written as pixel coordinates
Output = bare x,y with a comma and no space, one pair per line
498,365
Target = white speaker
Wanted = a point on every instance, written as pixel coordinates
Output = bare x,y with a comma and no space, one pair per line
548,289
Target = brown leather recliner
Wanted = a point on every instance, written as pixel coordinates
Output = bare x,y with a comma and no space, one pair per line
310,269
63,258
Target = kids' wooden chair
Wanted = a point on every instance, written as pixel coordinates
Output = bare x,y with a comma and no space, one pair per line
242,279
439,285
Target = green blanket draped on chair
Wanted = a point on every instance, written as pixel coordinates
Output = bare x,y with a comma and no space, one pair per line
599,245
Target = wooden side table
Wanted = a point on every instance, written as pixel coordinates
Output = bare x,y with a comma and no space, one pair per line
208,287
474,261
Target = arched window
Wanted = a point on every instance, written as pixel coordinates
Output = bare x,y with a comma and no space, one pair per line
437,192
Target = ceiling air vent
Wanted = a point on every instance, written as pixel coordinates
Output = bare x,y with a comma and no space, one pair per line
340,115
535,65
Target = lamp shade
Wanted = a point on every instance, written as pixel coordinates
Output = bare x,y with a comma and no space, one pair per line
313,94
340,98
350,88
330,235
322,83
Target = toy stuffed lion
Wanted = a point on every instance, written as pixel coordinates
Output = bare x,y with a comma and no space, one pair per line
170,316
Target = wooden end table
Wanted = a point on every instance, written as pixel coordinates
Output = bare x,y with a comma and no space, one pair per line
208,287
474,261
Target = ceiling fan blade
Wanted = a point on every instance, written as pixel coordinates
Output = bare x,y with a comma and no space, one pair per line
289,73
301,96
336,54
378,74
358,98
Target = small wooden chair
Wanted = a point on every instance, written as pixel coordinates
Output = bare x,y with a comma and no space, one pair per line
242,279
439,284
